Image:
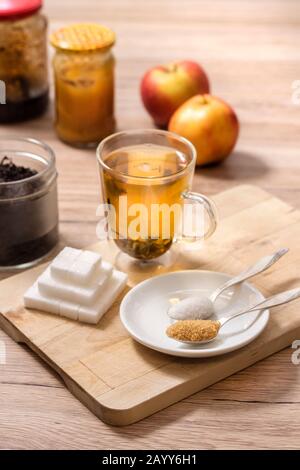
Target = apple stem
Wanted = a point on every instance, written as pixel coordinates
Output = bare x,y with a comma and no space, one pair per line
172,68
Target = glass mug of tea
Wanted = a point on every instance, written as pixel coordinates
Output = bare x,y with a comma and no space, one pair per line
144,175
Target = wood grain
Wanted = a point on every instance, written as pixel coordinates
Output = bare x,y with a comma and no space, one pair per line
251,52
123,382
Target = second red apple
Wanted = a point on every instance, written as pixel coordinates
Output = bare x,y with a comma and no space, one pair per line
165,87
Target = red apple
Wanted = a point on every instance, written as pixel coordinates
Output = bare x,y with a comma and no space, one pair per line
210,124
165,87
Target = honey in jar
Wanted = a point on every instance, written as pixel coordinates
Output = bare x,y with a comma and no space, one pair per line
84,83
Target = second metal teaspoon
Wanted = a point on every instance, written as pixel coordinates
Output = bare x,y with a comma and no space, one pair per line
203,331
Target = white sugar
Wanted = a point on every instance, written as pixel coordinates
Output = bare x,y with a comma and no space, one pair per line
192,308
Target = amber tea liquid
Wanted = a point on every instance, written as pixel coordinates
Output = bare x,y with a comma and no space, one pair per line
147,175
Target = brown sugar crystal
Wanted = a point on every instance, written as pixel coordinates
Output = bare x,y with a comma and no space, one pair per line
193,330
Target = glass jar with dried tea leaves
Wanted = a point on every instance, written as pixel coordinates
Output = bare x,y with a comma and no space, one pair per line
28,202
84,83
23,60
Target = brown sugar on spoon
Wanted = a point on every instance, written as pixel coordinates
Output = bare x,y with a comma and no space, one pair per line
193,330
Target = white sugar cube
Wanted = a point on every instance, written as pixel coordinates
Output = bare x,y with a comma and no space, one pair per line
50,285
108,295
84,267
34,299
90,257
80,272
79,268
113,288
68,310
77,285
103,272
64,260
69,253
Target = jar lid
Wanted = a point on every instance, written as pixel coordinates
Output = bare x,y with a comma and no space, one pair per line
18,8
83,37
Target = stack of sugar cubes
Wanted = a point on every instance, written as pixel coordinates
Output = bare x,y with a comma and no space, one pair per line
78,285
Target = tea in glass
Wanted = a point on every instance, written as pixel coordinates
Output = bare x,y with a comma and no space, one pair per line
146,178
151,177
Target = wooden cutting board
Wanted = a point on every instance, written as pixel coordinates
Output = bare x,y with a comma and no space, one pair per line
120,380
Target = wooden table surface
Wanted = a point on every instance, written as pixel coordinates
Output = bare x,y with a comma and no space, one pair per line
251,50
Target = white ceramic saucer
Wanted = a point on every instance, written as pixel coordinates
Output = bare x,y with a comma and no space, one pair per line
143,312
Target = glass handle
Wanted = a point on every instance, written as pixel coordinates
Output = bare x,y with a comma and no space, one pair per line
210,208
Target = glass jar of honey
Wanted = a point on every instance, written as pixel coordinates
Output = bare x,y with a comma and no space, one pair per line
84,83
23,60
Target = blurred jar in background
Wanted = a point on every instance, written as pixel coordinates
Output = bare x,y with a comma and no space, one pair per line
23,60
84,83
